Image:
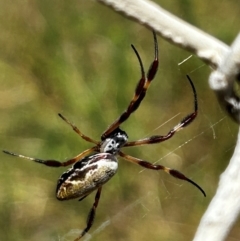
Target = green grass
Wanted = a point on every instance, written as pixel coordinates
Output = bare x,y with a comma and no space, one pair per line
75,58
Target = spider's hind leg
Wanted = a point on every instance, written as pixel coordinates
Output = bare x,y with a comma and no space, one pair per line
91,214
170,171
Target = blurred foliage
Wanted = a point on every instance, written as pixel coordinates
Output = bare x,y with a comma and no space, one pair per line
74,57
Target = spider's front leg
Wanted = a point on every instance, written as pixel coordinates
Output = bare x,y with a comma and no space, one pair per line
140,90
183,123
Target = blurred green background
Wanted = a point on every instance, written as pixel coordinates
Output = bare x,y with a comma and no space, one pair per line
74,57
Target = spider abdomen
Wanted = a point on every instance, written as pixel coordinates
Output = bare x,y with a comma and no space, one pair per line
86,175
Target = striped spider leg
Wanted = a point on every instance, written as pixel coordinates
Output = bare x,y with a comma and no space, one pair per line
92,168
159,138
140,90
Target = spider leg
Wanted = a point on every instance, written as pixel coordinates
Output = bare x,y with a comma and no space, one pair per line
183,123
91,214
55,163
170,171
86,138
140,90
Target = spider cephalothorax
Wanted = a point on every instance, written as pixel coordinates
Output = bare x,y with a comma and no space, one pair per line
114,142
93,167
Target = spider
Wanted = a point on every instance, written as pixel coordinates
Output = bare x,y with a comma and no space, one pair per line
95,166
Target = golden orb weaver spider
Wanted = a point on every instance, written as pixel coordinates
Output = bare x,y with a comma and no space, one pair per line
91,171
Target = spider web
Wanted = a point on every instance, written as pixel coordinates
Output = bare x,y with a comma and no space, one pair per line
167,191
